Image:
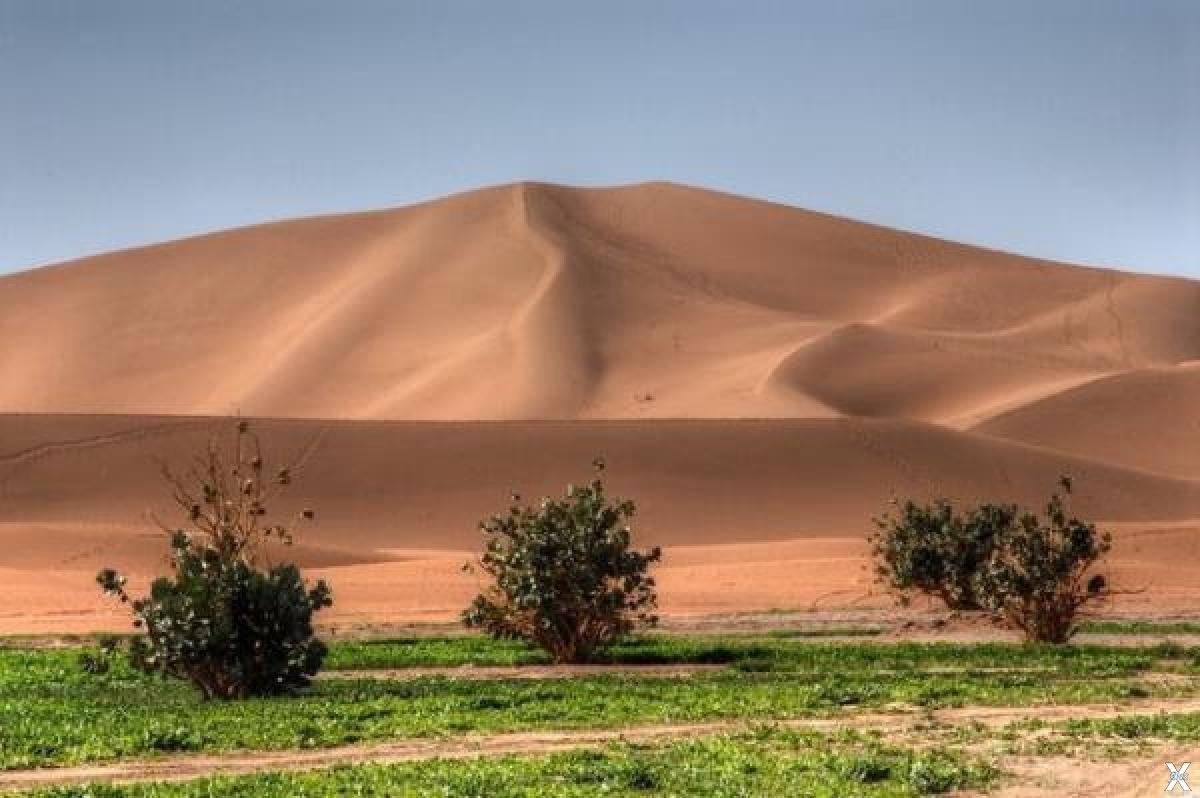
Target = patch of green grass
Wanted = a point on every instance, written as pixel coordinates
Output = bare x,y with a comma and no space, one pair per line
825,631
1178,727
761,653
53,713
430,652
483,651
766,763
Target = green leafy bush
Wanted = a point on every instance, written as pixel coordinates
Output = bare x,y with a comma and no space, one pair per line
222,620
1039,579
1035,573
564,575
935,550
98,660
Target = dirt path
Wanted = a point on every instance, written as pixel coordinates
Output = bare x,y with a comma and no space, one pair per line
1067,777
496,672
187,767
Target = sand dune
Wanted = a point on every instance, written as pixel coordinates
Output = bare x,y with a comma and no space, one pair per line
761,378
1147,418
534,301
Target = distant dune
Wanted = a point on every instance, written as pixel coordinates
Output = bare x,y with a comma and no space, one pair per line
533,301
762,379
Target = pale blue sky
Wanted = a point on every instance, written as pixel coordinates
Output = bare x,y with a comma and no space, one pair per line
1066,129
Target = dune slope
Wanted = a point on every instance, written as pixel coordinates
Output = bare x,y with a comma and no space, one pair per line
1146,418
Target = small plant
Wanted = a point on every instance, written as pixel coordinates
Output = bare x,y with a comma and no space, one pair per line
223,621
867,768
935,773
937,551
1039,579
98,661
565,577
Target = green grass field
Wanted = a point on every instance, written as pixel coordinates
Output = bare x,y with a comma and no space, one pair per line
763,763
51,712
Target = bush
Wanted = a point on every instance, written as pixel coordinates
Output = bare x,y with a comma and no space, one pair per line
937,551
1038,580
1031,572
564,575
98,660
231,626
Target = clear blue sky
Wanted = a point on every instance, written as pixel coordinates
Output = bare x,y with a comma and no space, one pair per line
1065,129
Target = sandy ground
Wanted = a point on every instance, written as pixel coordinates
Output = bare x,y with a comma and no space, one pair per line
433,590
761,379
1063,777
753,515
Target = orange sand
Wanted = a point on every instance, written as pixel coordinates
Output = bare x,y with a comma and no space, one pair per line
760,378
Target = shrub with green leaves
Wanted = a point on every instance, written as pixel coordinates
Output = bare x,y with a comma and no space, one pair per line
1042,576
223,620
933,549
564,575
99,660
1037,574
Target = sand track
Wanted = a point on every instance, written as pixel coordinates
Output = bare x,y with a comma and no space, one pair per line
187,767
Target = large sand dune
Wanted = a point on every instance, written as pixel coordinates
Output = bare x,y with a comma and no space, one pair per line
761,378
531,301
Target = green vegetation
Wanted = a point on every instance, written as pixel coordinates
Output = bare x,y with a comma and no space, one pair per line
52,712
765,763
1038,579
431,652
1034,572
763,654
936,550
1181,727
831,630
221,620
565,576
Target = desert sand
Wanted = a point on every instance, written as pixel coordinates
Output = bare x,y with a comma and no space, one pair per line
760,379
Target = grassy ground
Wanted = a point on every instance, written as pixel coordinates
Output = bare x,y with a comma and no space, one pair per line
762,653
814,630
53,713
766,763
